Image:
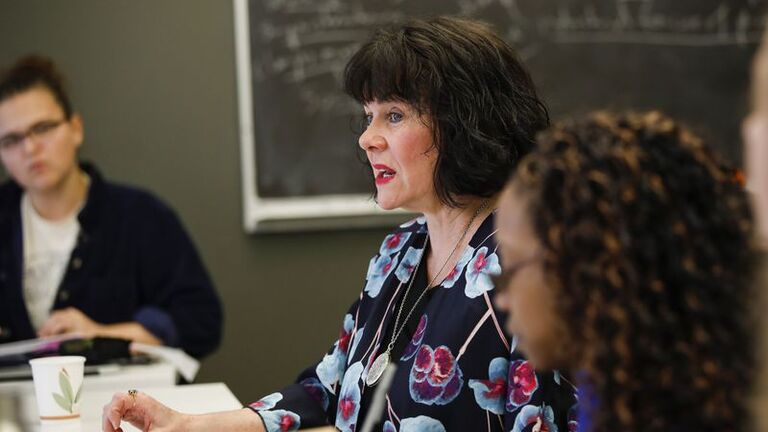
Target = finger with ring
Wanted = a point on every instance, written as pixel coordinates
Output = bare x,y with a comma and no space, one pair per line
132,393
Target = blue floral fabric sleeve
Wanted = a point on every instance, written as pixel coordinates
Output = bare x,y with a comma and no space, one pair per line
312,400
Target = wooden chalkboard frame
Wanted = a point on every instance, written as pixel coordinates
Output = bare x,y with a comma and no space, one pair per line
290,213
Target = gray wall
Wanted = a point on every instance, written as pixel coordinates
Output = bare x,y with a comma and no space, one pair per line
155,83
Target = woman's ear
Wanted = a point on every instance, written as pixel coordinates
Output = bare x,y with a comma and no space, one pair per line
76,124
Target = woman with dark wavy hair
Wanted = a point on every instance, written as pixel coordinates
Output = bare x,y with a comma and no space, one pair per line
627,237
447,111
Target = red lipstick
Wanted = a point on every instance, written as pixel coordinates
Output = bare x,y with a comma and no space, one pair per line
383,173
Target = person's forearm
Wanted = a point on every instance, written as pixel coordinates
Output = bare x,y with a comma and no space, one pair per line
129,330
243,420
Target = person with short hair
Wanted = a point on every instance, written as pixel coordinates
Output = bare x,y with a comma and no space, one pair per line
448,110
80,254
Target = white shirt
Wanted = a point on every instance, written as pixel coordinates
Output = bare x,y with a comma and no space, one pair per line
47,248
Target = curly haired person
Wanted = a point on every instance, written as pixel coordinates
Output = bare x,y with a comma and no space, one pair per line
643,262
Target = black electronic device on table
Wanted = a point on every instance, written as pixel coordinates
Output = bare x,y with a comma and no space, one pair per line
97,351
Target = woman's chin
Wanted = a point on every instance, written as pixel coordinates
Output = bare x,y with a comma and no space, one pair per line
537,358
546,360
386,204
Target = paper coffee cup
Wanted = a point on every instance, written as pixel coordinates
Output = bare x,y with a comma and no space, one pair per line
58,387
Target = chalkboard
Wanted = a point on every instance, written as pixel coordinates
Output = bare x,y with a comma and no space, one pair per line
689,58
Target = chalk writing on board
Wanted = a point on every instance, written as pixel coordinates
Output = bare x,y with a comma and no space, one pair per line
639,22
682,56
315,38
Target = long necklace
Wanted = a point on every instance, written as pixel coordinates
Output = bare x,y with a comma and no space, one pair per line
382,360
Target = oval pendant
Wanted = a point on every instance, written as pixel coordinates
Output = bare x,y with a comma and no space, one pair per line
377,369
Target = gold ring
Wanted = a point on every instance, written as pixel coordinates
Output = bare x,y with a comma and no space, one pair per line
132,394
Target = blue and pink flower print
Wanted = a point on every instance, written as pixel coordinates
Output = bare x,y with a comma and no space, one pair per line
421,220
542,419
418,336
455,272
458,369
314,387
331,368
491,393
383,264
378,270
408,264
393,243
436,377
346,333
478,270
280,420
522,384
349,399
267,402
415,424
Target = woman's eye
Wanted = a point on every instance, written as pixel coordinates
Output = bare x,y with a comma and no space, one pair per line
367,119
395,117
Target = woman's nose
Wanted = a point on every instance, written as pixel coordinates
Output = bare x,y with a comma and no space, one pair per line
30,144
371,139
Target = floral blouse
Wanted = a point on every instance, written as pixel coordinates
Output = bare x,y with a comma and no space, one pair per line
460,371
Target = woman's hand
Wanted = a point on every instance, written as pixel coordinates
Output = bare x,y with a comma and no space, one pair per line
70,320
142,412
149,415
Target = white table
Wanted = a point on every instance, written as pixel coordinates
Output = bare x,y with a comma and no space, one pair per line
193,399
110,378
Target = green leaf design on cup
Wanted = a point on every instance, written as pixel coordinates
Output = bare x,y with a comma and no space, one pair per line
68,398
63,403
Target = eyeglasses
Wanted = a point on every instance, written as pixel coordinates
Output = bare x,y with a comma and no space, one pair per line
40,130
502,280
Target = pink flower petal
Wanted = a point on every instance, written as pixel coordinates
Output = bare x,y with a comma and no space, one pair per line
424,359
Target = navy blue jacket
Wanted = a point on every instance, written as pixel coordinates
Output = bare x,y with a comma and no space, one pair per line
133,261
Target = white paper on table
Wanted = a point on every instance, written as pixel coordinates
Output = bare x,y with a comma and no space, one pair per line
32,345
184,364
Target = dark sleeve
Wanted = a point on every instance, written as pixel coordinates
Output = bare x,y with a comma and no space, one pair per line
159,323
180,304
312,400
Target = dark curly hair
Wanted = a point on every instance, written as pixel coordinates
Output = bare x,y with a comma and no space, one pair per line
646,235
478,95
35,71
